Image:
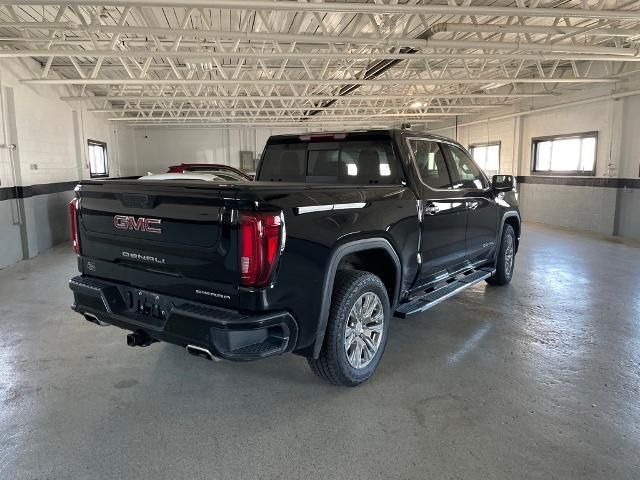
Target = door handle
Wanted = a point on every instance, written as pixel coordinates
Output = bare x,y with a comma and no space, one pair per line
431,209
472,205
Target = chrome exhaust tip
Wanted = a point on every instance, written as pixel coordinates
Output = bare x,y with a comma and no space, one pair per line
202,352
94,319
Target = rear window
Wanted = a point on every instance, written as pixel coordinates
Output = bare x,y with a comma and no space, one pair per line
350,162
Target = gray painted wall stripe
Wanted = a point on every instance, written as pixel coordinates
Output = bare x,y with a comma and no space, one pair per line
10,193
581,181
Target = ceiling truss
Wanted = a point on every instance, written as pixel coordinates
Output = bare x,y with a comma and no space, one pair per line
286,63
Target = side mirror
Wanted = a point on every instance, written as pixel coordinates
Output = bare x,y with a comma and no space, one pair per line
503,183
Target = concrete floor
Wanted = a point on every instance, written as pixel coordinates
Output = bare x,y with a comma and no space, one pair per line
539,379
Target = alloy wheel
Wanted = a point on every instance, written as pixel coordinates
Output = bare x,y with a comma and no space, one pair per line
363,330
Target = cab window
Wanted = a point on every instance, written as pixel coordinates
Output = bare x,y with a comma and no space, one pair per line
357,162
464,172
430,162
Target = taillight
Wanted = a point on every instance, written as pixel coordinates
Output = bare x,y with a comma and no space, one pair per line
73,221
261,237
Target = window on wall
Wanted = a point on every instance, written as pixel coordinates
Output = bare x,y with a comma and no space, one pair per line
98,161
566,154
487,156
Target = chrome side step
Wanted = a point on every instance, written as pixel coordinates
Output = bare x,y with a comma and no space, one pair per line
449,289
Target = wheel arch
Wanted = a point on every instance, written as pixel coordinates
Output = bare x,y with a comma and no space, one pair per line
508,218
513,219
355,253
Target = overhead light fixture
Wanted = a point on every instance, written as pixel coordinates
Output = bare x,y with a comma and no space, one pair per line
416,104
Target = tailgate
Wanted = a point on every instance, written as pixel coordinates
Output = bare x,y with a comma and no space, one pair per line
176,240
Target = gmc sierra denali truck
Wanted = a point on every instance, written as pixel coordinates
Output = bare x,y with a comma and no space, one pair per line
339,233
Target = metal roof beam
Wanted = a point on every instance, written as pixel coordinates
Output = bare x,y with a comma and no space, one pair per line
297,117
215,109
319,55
390,42
148,98
346,81
352,7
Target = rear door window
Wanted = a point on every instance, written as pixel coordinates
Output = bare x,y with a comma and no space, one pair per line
431,163
356,162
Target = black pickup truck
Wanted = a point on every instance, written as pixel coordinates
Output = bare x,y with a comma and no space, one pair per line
339,233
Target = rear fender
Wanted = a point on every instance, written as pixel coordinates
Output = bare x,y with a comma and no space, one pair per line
330,274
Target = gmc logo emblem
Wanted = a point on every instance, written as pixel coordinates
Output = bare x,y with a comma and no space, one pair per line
141,224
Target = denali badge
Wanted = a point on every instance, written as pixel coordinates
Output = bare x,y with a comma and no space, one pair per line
143,258
127,222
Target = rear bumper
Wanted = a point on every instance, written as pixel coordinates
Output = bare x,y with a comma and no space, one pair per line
225,333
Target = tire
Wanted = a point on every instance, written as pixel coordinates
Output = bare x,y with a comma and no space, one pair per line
506,258
337,364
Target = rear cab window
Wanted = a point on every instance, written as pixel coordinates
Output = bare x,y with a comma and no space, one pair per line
348,161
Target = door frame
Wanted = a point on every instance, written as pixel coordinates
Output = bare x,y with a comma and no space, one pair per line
471,194
424,192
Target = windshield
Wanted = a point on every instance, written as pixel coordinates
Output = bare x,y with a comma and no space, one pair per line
369,162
